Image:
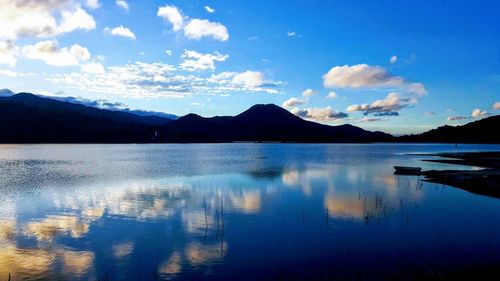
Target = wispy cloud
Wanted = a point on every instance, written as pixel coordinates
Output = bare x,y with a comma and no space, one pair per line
392,103
193,61
121,31
319,114
153,80
193,28
209,9
122,4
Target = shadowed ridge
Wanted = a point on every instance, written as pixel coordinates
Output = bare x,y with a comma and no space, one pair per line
480,131
264,122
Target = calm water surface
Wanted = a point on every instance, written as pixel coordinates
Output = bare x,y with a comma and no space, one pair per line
235,211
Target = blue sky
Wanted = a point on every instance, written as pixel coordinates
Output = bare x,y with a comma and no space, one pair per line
395,66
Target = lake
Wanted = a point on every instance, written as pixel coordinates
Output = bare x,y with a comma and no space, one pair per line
237,212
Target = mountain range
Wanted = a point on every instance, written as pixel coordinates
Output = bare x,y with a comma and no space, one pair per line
28,118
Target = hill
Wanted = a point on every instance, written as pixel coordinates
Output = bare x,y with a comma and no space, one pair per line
480,131
27,118
264,123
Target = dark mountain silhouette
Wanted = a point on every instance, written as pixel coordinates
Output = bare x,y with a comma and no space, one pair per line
264,123
27,118
481,131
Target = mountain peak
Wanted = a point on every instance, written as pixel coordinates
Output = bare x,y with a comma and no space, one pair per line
265,111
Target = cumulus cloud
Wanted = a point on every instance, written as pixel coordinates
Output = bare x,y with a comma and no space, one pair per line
291,33
194,61
8,53
308,93
171,14
195,28
121,31
32,18
478,113
50,53
387,106
151,80
209,9
122,4
319,114
198,28
331,95
393,59
365,76
293,102
496,105
249,79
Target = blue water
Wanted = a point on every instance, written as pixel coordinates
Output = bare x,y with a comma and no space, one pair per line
236,211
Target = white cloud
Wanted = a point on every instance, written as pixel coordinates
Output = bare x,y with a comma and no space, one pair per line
198,28
121,31
319,114
331,95
308,93
392,103
209,9
249,79
195,28
92,67
93,4
478,113
496,105
77,19
365,76
8,53
291,33
122,4
50,53
393,59
150,80
194,61
293,102
168,52
171,14
13,74
31,18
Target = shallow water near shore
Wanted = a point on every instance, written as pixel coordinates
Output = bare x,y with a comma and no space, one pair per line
237,211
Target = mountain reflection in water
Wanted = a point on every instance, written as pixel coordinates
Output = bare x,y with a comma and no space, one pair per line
308,216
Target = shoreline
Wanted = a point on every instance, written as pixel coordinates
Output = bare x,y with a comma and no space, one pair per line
484,182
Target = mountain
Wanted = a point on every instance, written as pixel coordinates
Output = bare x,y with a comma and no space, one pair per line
28,118
481,131
264,123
